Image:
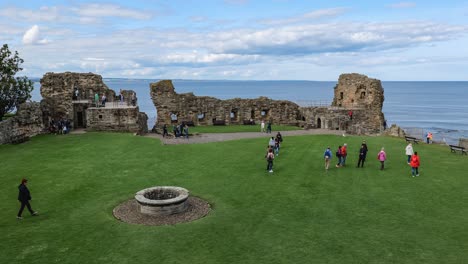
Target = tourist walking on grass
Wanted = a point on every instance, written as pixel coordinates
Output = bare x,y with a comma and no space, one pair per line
270,157
409,152
414,163
269,127
338,156
362,156
279,137
277,146
272,143
382,156
344,154
327,156
24,197
262,127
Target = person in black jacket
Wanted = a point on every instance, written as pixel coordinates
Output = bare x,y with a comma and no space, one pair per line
362,155
24,197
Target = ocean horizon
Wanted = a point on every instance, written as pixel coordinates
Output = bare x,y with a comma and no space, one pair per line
416,106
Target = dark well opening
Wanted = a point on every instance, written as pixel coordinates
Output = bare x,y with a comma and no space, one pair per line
161,194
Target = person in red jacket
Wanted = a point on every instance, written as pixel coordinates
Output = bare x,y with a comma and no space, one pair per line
344,154
414,163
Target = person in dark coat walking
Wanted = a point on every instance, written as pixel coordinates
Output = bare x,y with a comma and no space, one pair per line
24,197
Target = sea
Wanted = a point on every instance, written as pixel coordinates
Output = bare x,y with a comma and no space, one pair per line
417,106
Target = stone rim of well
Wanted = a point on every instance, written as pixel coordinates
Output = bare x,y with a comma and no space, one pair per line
182,196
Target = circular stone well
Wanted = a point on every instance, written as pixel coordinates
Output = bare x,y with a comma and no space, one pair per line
162,200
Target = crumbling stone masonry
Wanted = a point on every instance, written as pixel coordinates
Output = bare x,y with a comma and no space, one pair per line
203,110
354,92
26,123
59,102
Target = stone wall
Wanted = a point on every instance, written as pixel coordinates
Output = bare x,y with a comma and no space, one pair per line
26,123
127,119
57,91
204,110
463,142
354,92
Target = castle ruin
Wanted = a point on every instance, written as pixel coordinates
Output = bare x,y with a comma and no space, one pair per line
71,96
354,93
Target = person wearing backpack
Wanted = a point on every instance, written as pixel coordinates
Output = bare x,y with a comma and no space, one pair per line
270,157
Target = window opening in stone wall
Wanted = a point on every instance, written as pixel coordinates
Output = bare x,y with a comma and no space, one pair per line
233,115
252,114
363,95
341,95
174,118
264,113
201,116
100,116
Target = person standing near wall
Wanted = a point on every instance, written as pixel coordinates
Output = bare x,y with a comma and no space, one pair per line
414,163
186,132
262,127
409,152
96,99
165,134
327,156
382,156
269,127
24,197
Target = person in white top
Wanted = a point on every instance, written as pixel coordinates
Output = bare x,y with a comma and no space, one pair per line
409,152
262,126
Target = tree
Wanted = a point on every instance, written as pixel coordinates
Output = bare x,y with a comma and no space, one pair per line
13,90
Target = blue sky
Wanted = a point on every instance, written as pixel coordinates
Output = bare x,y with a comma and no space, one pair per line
240,39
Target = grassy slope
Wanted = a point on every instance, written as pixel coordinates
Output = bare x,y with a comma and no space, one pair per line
300,214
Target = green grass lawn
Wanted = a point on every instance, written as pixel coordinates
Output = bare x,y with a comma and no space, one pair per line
236,128
298,214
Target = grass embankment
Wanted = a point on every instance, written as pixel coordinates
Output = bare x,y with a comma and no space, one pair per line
298,214
237,128
6,116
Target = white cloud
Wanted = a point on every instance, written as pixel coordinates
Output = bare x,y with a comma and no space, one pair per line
33,36
402,5
310,16
110,10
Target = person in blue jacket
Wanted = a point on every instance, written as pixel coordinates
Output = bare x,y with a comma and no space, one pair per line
327,156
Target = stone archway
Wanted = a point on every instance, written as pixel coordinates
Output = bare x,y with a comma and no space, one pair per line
319,123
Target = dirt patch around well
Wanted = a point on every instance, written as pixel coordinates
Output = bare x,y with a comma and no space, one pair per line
129,212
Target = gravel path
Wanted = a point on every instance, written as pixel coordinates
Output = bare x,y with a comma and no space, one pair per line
129,212
218,137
